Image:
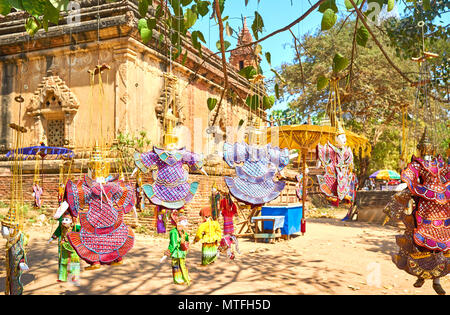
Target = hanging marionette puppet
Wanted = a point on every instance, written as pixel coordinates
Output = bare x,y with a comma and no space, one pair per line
37,189
12,225
254,184
424,248
16,260
140,203
210,234
69,264
228,209
68,259
178,248
215,202
339,182
103,238
170,190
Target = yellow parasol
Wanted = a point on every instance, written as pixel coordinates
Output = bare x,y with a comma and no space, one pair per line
301,137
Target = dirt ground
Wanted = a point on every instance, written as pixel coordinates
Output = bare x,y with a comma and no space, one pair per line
333,257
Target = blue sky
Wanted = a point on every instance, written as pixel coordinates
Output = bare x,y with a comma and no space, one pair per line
276,14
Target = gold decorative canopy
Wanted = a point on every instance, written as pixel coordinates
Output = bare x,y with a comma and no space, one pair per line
98,163
307,137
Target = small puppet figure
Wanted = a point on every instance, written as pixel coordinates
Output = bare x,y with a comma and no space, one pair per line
160,224
210,234
15,257
37,193
228,209
226,246
68,259
178,248
140,201
215,202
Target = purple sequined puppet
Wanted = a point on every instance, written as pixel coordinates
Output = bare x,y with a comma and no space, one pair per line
171,189
254,183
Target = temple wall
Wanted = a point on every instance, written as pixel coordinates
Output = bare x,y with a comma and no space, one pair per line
146,218
132,88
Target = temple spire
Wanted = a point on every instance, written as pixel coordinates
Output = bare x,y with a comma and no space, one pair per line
245,56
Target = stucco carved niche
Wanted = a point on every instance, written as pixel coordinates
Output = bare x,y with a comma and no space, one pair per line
170,99
53,104
169,108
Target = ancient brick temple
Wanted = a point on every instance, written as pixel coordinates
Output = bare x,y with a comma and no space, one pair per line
142,89
62,108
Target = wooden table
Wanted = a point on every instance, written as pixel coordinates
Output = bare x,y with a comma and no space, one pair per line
261,233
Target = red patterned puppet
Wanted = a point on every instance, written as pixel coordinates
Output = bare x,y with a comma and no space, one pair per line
425,246
103,238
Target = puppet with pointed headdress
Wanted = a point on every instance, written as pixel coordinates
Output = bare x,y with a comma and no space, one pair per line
16,259
210,234
338,183
103,238
171,189
68,259
424,248
178,248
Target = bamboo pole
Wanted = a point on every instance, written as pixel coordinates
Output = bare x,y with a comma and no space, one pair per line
303,222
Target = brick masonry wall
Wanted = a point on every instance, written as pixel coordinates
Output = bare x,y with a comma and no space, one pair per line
146,218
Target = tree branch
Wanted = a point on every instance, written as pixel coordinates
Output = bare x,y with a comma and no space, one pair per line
299,59
361,16
354,47
224,59
284,29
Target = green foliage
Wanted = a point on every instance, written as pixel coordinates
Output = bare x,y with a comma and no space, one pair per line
226,44
362,36
289,116
370,101
322,82
248,72
349,6
385,153
258,25
339,63
128,144
329,18
268,102
328,5
406,36
212,102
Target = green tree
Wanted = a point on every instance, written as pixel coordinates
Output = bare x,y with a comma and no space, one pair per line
127,144
371,98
